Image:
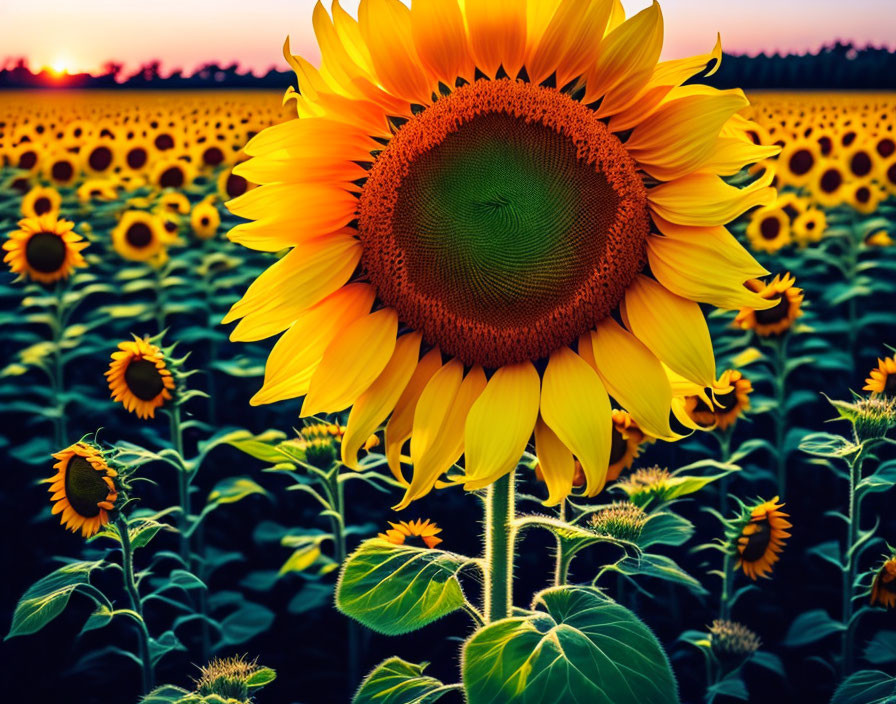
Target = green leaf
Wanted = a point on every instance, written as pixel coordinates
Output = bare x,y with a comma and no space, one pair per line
48,597
579,646
659,567
769,661
99,618
665,528
732,686
311,596
145,531
185,580
882,648
866,687
302,559
261,447
261,677
394,589
166,694
396,681
811,626
233,489
827,445
245,623
164,644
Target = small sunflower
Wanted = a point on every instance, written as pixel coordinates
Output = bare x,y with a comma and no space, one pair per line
97,189
828,186
205,220
174,202
139,236
809,226
135,156
798,162
883,588
860,161
778,318
139,376
864,196
171,173
760,536
61,169
99,157
45,249
769,229
728,400
882,379
84,488
881,238
626,443
41,200
231,185
399,533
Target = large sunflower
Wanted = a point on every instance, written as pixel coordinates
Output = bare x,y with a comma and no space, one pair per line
469,195
83,488
139,377
45,249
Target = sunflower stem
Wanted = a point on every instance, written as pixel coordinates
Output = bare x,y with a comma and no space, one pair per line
336,493
725,596
500,505
780,349
724,438
130,585
849,568
183,484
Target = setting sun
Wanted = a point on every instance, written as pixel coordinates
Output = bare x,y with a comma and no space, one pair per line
60,65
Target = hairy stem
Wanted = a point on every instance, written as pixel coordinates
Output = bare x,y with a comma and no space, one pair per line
499,536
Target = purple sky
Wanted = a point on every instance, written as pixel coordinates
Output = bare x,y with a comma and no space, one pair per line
82,34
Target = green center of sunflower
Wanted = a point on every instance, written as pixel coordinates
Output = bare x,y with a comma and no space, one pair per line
758,541
45,252
143,379
503,222
84,487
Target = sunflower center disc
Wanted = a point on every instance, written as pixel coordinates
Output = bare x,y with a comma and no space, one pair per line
503,222
143,379
758,541
84,487
45,252
138,235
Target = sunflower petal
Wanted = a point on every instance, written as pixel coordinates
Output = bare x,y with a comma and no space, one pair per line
500,424
634,377
575,405
497,30
298,352
672,327
567,45
558,466
706,200
441,39
377,402
351,363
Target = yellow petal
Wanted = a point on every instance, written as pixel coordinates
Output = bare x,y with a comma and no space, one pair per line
327,168
706,200
398,429
497,30
310,272
634,377
626,60
705,264
307,136
568,44
351,362
672,327
500,424
386,28
377,402
441,40
730,155
558,466
682,134
310,206
298,352
437,439
575,405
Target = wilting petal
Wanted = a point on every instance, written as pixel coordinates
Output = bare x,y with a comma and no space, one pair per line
500,424
634,377
298,352
352,361
558,466
673,328
374,405
575,405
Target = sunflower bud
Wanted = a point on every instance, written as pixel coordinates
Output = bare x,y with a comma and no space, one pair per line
317,444
871,418
646,484
621,520
732,642
230,679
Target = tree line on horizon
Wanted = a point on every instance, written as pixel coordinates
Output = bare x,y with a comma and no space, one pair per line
838,66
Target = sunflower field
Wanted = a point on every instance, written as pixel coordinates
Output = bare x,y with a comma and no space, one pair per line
496,361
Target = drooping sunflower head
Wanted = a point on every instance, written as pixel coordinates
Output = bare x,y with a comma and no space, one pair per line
84,489
410,532
883,586
41,200
758,536
622,520
732,641
626,443
882,379
139,236
140,377
470,193
44,249
781,316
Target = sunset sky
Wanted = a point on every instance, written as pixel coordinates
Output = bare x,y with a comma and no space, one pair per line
82,34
